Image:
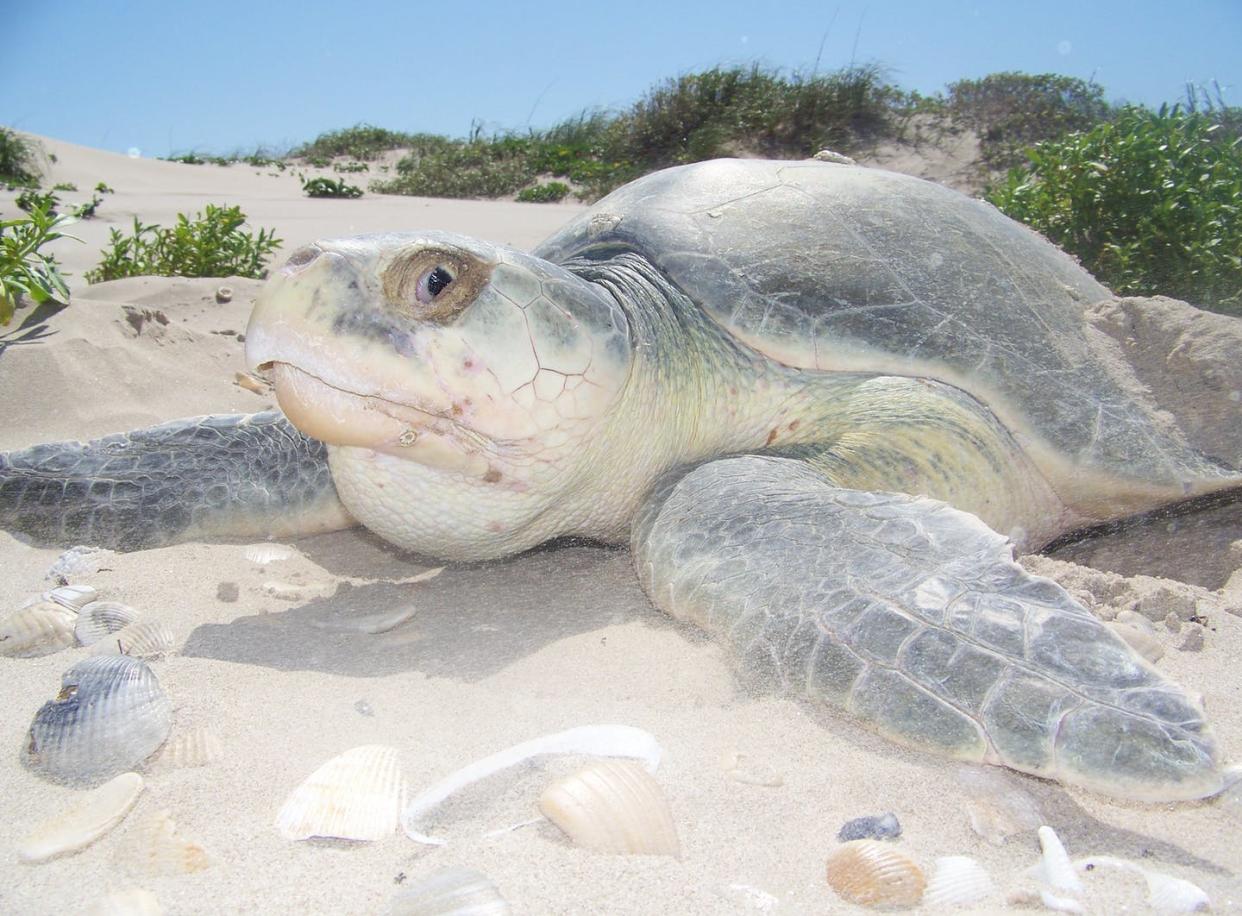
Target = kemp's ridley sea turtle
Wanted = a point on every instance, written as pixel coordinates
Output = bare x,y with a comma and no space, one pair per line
818,400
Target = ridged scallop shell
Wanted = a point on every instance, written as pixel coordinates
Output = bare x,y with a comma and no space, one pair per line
111,714
144,639
263,554
873,873
72,597
156,848
37,629
135,901
958,881
451,892
613,806
195,747
355,796
82,823
102,618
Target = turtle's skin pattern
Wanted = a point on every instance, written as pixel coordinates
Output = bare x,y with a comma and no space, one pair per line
816,399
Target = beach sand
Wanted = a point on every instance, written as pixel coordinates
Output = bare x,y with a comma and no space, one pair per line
494,654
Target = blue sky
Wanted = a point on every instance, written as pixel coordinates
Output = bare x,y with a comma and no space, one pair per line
223,75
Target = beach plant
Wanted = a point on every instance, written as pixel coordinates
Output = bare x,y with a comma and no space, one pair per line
330,187
18,159
26,270
102,188
363,142
33,199
212,244
1150,202
65,186
551,192
350,167
87,210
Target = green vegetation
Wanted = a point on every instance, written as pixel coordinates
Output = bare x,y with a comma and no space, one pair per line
65,186
330,187
103,188
18,160
210,245
362,142
350,167
33,199
87,210
550,193
24,269
1150,202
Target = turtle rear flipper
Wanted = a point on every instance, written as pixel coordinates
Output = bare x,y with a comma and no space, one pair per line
215,476
913,616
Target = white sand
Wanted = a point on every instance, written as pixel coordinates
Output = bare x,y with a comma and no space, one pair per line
495,654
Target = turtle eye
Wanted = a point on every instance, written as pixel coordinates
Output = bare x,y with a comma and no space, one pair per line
432,283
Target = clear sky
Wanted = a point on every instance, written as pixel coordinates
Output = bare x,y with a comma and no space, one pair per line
176,75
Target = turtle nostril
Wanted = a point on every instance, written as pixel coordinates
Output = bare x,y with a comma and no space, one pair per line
303,256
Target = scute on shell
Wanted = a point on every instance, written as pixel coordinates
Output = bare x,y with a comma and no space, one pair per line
37,629
875,873
613,806
452,891
88,817
356,795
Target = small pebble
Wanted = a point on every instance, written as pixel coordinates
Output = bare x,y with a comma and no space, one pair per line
884,827
1173,622
224,294
1193,640
364,708
228,591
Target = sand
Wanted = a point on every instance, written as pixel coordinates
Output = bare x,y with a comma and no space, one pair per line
494,654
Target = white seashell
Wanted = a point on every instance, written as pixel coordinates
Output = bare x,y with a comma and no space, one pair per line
1055,871
958,881
875,873
355,796
613,806
195,747
133,902
155,848
450,892
265,553
1143,642
86,820
144,639
596,740
997,806
78,561
37,629
1174,895
102,618
110,715
72,597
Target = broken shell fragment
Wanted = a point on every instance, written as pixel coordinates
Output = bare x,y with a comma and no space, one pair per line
355,796
195,747
72,597
110,715
102,618
157,848
613,806
958,881
144,639
1165,893
37,629
135,901
451,892
874,873
265,553
86,820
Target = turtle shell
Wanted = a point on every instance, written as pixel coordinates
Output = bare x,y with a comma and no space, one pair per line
827,267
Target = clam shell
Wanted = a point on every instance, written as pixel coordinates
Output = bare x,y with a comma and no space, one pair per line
612,806
1174,895
86,820
263,554
156,848
72,597
102,618
357,795
37,629
111,714
132,902
195,747
451,892
144,639
958,881
873,873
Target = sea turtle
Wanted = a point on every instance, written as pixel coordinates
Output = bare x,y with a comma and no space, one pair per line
821,401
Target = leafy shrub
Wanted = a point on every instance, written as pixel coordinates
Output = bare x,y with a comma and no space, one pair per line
330,187
18,159
65,186
102,188
549,193
212,245
362,141
33,199
466,169
1150,202
87,210
24,269
350,167
1012,111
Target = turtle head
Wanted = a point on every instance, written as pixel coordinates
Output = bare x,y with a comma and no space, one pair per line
458,384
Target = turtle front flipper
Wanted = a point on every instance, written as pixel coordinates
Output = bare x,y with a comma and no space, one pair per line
215,476
913,616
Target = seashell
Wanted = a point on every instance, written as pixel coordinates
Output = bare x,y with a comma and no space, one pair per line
110,715
958,881
144,639
1055,870
224,294
78,561
72,597
997,806
613,806
86,820
101,618
746,769
355,796
132,902
884,827
1164,892
1137,621
155,848
37,629
873,873
452,891
266,553
1142,641
195,747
